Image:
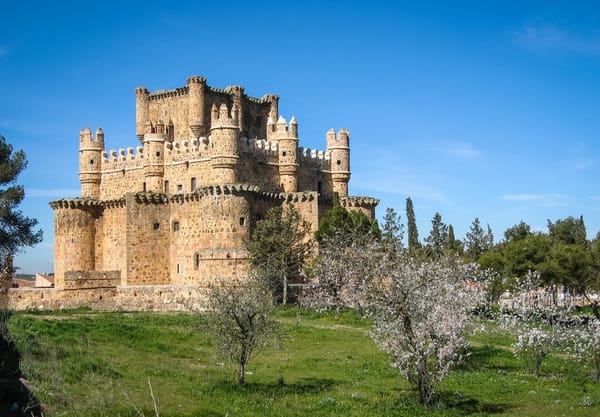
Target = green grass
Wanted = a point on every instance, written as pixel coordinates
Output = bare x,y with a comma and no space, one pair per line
86,363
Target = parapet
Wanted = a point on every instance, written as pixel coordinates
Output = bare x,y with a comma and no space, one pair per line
88,141
196,79
221,117
353,201
341,140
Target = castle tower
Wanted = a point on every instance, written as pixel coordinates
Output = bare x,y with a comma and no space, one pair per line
224,133
197,93
142,111
90,159
339,151
74,238
154,158
287,149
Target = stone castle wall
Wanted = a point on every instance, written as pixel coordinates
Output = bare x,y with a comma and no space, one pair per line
120,298
176,107
188,165
89,280
178,208
111,238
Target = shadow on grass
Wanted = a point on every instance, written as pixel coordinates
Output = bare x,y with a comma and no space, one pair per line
15,397
489,357
466,405
305,386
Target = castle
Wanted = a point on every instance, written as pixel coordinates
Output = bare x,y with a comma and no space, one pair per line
179,207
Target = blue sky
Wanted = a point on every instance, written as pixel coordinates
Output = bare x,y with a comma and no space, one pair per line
484,109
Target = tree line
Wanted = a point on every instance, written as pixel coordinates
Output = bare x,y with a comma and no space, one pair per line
564,259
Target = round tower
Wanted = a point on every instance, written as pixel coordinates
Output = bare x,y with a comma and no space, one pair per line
224,133
196,97
74,238
90,162
339,157
287,149
142,111
154,158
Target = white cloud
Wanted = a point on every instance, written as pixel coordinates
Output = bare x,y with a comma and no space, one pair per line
546,200
551,38
52,192
458,148
580,164
5,123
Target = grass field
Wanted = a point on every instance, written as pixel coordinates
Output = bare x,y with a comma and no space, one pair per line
86,363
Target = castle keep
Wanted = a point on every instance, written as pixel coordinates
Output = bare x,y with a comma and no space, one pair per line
178,207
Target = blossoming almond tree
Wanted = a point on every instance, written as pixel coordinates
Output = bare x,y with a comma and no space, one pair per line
533,345
241,321
586,345
342,274
422,316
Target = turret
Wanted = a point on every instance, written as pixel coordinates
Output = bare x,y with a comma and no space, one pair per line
90,162
274,105
287,150
224,133
154,158
142,109
339,155
196,97
237,94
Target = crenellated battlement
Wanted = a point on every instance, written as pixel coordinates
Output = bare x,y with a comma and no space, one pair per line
223,116
87,140
267,98
339,140
179,207
196,79
162,94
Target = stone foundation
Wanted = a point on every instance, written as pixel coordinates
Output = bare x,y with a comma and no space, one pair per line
118,298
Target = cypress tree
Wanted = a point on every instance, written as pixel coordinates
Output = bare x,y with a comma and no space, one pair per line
411,224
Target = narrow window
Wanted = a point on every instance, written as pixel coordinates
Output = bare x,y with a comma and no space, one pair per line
193,184
176,226
156,226
167,187
196,260
339,162
179,269
144,187
91,162
242,221
158,153
179,188
284,153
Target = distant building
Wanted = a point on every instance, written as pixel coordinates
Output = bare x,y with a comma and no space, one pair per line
178,208
44,280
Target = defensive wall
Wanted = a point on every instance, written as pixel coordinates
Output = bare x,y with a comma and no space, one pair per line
174,212
102,291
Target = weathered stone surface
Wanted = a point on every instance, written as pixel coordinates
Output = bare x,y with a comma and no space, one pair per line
178,209
120,298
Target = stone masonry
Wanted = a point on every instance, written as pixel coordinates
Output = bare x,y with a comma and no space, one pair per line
178,208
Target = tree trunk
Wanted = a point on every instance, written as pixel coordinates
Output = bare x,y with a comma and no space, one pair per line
425,391
242,373
285,285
